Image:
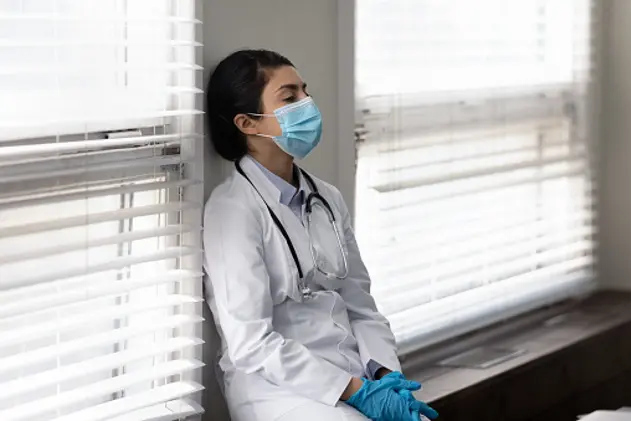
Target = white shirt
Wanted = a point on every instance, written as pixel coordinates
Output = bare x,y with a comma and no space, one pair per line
290,196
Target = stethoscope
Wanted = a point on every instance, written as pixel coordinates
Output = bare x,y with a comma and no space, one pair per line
314,200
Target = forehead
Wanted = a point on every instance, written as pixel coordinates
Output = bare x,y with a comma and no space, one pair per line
285,75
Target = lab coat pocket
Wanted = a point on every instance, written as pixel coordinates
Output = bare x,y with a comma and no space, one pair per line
281,269
283,282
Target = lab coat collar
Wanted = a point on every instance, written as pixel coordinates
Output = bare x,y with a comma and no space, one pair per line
287,191
266,188
271,193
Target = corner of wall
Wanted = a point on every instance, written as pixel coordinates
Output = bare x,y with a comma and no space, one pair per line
615,164
347,155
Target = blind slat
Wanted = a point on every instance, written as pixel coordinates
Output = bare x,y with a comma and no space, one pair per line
93,290
35,198
469,274
142,400
406,205
95,218
445,214
568,270
25,384
112,385
135,164
80,68
481,150
86,145
47,353
441,265
168,411
39,330
449,235
60,43
114,264
510,303
410,184
86,119
58,17
97,242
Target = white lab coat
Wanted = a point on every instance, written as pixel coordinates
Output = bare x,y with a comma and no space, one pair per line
279,352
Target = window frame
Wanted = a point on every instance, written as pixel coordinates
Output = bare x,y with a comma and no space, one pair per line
562,97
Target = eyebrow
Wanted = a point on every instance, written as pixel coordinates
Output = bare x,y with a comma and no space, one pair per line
292,86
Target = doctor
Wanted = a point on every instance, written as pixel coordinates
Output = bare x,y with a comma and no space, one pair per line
301,336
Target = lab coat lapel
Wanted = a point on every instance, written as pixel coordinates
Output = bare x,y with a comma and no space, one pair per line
296,231
270,193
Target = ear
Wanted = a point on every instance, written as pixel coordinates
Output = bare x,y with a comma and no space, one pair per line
245,124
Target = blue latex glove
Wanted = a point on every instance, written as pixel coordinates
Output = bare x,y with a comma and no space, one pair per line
404,387
398,381
419,408
379,401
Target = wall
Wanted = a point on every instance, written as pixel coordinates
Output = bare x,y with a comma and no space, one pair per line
318,37
616,153
307,33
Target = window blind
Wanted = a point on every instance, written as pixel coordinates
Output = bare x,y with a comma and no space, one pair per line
100,210
475,186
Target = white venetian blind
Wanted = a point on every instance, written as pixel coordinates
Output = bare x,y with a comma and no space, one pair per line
100,210
474,183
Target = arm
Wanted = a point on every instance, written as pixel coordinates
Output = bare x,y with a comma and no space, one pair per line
239,288
377,347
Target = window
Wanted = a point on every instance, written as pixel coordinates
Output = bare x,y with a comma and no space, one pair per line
474,183
100,210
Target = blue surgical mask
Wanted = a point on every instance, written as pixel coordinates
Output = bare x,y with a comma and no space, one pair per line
301,123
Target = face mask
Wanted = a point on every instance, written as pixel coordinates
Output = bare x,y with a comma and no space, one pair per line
301,123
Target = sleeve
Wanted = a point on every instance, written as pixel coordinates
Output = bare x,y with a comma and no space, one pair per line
377,346
371,369
239,291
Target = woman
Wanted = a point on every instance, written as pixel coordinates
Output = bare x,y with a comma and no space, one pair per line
301,336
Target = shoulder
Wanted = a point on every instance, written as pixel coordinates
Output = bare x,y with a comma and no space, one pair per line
231,200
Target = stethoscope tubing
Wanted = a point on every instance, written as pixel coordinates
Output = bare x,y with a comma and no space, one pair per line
313,196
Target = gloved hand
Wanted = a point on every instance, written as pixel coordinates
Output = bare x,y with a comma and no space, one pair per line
419,408
404,387
380,401
398,381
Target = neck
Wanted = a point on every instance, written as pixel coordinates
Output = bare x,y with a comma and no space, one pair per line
280,164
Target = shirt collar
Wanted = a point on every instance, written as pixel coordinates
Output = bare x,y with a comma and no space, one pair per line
287,191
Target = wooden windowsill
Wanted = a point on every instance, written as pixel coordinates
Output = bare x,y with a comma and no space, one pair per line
542,335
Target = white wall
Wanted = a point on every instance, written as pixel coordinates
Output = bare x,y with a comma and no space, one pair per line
616,153
317,36
307,33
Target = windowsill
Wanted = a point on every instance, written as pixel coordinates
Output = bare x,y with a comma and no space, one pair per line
542,335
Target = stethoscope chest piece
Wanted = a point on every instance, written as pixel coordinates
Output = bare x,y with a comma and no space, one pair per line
306,293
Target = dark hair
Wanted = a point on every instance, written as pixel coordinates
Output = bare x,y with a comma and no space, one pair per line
235,87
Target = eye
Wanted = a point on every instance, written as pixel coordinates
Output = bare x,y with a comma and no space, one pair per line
291,98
